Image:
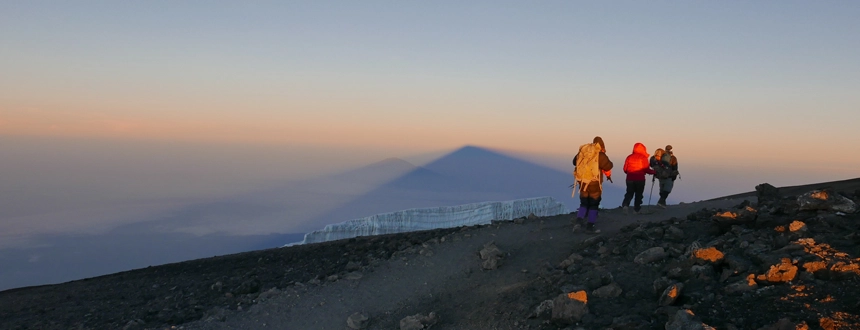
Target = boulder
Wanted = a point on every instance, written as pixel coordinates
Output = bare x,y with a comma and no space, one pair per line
353,276
572,259
357,321
490,264
825,200
725,220
767,194
352,266
590,241
708,255
611,290
679,270
543,310
490,250
596,278
703,271
671,294
674,234
742,286
569,308
780,273
650,255
491,255
418,321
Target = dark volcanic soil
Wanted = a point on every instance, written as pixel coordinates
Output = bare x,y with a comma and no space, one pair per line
387,278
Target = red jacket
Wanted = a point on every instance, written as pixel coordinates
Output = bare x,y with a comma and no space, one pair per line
636,165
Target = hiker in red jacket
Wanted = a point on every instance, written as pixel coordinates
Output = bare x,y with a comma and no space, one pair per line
636,166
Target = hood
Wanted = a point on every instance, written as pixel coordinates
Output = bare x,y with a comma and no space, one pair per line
639,148
599,140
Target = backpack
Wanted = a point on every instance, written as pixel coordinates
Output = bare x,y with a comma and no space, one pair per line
587,170
661,171
662,168
673,165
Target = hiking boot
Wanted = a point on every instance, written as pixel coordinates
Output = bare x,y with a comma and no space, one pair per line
626,210
591,229
661,205
580,222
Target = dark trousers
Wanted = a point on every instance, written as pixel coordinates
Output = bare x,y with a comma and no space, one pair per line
590,197
590,203
637,189
663,196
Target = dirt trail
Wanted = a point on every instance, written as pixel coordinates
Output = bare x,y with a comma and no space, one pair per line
449,280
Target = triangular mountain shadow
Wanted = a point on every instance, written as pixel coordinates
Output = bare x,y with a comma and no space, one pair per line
376,173
266,210
468,175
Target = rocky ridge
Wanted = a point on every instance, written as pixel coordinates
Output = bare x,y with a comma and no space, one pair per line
756,266
779,262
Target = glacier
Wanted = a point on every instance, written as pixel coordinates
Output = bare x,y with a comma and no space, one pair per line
435,218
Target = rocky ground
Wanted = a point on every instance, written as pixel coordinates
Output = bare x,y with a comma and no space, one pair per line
760,261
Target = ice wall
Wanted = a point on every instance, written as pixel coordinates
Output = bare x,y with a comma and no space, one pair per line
436,217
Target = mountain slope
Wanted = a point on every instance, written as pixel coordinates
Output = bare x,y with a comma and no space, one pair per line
390,277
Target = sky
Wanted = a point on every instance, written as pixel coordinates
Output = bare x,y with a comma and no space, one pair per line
109,109
537,77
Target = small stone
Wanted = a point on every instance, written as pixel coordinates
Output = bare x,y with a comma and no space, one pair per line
650,255
352,266
608,291
671,294
418,321
357,321
353,276
544,310
568,310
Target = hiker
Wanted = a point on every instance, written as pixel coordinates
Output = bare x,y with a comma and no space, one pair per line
590,166
666,166
636,166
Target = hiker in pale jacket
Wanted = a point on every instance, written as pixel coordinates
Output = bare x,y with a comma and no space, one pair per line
590,195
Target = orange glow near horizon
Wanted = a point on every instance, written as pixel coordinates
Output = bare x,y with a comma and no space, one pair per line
309,130
422,131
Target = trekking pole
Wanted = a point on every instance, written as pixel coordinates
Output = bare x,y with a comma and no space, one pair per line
652,190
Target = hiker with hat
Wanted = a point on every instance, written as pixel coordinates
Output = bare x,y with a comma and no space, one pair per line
636,166
590,166
666,166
